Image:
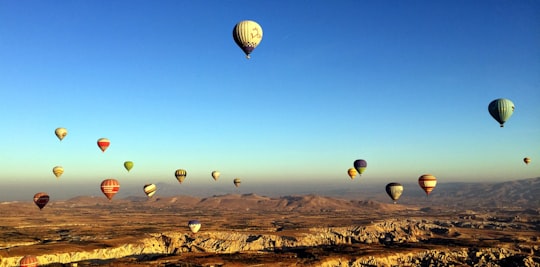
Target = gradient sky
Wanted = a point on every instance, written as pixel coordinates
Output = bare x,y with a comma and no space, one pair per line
404,85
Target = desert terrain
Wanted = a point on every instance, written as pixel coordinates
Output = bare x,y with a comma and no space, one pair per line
463,225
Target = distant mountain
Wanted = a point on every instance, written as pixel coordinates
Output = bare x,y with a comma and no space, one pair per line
292,203
519,194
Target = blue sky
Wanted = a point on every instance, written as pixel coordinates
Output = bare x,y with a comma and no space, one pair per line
402,84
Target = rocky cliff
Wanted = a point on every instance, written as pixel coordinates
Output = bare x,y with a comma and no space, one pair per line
386,243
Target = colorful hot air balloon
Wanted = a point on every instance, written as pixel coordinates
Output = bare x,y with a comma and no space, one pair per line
194,226
103,143
41,199
180,175
58,171
427,182
527,160
215,175
60,133
110,187
394,190
237,182
360,165
501,109
128,165
28,261
149,189
247,35
352,172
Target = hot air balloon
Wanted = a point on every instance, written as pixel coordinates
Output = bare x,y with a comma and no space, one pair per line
352,172
128,165
215,175
247,35
501,109
103,143
41,199
527,160
110,187
427,182
180,175
237,182
28,261
58,171
194,226
60,133
360,165
150,189
394,190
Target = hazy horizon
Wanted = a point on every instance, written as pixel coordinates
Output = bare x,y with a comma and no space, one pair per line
65,191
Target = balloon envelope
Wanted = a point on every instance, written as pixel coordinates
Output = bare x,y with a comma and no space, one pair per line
41,199
103,144
237,182
28,261
215,175
60,133
247,35
180,175
352,172
501,110
194,226
110,187
149,189
360,165
527,160
128,165
394,190
58,171
427,182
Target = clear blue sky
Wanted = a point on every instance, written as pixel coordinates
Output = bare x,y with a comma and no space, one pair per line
402,84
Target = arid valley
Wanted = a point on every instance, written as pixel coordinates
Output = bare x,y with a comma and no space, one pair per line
463,225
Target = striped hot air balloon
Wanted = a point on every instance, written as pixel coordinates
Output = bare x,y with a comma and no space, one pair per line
110,187
60,133
247,35
41,199
28,261
194,226
103,143
394,190
501,110
237,182
150,189
427,182
180,175
58,171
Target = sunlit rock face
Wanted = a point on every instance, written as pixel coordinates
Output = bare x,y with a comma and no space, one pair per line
388,233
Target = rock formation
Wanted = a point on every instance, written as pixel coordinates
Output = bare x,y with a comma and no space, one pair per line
405,242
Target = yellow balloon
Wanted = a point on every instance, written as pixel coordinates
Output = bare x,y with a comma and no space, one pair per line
215,175
149,189
352,172
60,133
58,171
247,35
180,175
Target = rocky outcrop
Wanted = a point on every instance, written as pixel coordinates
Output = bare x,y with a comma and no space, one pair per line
385,233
